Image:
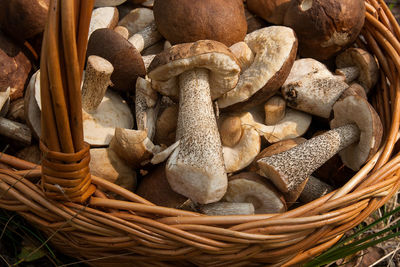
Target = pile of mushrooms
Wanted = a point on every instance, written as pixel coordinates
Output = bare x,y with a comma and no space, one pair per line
204,104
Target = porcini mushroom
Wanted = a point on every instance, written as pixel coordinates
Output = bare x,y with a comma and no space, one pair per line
188,21
324,27
272,11
275,51
125,58
356,134
312,88
227,208
249,187
274,110
103,17
146,37
204,69
101,3
136,20
358,65
166,126
241,144
243,54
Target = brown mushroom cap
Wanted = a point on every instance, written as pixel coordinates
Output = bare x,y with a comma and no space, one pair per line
271,10
124,57
324,27
14,67
356,110
187,21
24,19
275,50
212,55
364,61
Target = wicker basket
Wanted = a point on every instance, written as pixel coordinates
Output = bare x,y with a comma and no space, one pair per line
133,231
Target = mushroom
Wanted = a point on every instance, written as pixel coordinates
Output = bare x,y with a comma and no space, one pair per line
16,111
4,101
148,3
275,51
23,19
15,67
133,146
356,134
314,189
241,143
294,124
166,126
121,30
101,3
358,65
136,20
187,21
272,11
253,22
30,153
105,163
243,54
274,110
205,69
146,107
103,111
324,27
354,89
146,37
249,187
226,209
103,17
155,188
312,88
125,58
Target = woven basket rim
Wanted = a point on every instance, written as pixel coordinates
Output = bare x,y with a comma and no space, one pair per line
153,234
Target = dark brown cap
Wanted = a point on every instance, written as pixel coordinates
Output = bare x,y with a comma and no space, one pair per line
126,60
186,21
325,27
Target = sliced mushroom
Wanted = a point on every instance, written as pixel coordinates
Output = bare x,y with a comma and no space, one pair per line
358,65
106,164
205,68
249,187
274,110
133,146
356,135
312,88
294,124
275,51
241,144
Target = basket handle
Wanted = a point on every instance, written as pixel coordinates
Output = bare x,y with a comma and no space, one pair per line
61,67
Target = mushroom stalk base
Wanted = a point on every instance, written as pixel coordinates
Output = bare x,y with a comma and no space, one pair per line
145,38
196,168
350,73
290,168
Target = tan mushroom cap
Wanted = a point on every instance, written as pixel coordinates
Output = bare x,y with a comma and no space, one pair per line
250,187
244,152
275,50
126,60
272,11
211,55
364,61
356,110
188,21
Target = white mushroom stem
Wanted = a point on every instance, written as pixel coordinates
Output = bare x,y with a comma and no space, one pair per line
97,80
227,208
15,130
146,108
146,37
196,167
350,73
147,60
289,169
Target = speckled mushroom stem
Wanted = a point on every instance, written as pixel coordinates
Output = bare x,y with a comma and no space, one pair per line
146,37
97,79
196,168
290,168
350,73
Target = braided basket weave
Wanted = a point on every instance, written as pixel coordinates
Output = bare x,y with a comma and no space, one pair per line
70,206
